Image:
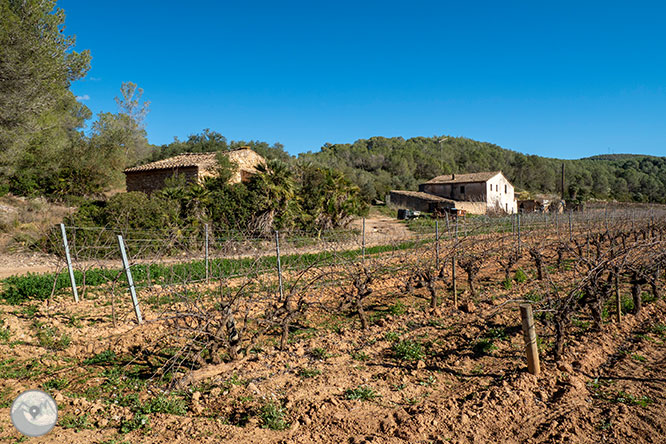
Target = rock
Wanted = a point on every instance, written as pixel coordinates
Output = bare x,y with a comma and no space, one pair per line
253,388
420,364
97,407
59,398
468,307
196,397
388,425
102,422
215,392
565,367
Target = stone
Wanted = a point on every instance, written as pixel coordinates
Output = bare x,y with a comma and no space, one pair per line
468,307
253,388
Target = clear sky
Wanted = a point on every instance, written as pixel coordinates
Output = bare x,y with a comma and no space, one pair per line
558,79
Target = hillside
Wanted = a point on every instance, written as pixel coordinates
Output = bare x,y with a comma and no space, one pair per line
380,164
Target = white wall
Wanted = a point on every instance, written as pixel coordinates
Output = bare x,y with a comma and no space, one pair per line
500,194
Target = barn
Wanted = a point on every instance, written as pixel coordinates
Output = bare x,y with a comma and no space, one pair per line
194,167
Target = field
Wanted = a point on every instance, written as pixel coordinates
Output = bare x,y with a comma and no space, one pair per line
346,344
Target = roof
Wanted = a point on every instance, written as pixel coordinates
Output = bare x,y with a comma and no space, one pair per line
180,161
424,196
186,160
465,178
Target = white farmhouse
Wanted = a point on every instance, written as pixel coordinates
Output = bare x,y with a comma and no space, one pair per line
477,193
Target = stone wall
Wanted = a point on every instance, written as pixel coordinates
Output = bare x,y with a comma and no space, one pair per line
151,180
247,162
413,200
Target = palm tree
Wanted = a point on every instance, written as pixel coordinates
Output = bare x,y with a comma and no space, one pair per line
275,190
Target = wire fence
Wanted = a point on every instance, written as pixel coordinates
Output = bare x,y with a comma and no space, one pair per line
219,291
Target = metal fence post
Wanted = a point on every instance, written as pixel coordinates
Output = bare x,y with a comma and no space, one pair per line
206,249
69,263
279,265
437,244
453,268
130,281
570,228
518,227
363,241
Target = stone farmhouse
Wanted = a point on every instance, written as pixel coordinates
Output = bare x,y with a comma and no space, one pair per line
195,167
476,193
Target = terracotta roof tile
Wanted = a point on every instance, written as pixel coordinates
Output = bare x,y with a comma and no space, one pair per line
465,178
424,196
205,160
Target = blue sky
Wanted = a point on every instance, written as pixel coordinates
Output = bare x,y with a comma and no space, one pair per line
558,79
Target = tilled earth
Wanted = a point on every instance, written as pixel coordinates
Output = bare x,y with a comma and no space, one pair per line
459,377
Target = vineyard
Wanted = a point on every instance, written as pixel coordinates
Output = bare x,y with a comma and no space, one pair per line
351,336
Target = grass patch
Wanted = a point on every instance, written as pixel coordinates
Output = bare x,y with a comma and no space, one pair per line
105,357
49,337
484,347
309,372
319,353
70,421
397,309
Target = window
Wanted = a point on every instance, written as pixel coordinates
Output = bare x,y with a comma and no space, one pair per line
462,189
496,187
506,188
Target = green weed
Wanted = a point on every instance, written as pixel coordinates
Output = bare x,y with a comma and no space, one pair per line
520,276
361,393
273,415
408,350
309,372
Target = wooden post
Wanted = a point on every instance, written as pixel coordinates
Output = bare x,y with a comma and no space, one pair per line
206,250
279,265
69,263
130,281
529,334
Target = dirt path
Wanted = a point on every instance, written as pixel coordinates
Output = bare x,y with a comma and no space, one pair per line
379,229
24,263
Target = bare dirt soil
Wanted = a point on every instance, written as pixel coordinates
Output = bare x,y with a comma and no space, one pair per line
415,376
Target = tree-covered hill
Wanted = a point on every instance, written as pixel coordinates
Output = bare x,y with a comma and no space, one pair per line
380,164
